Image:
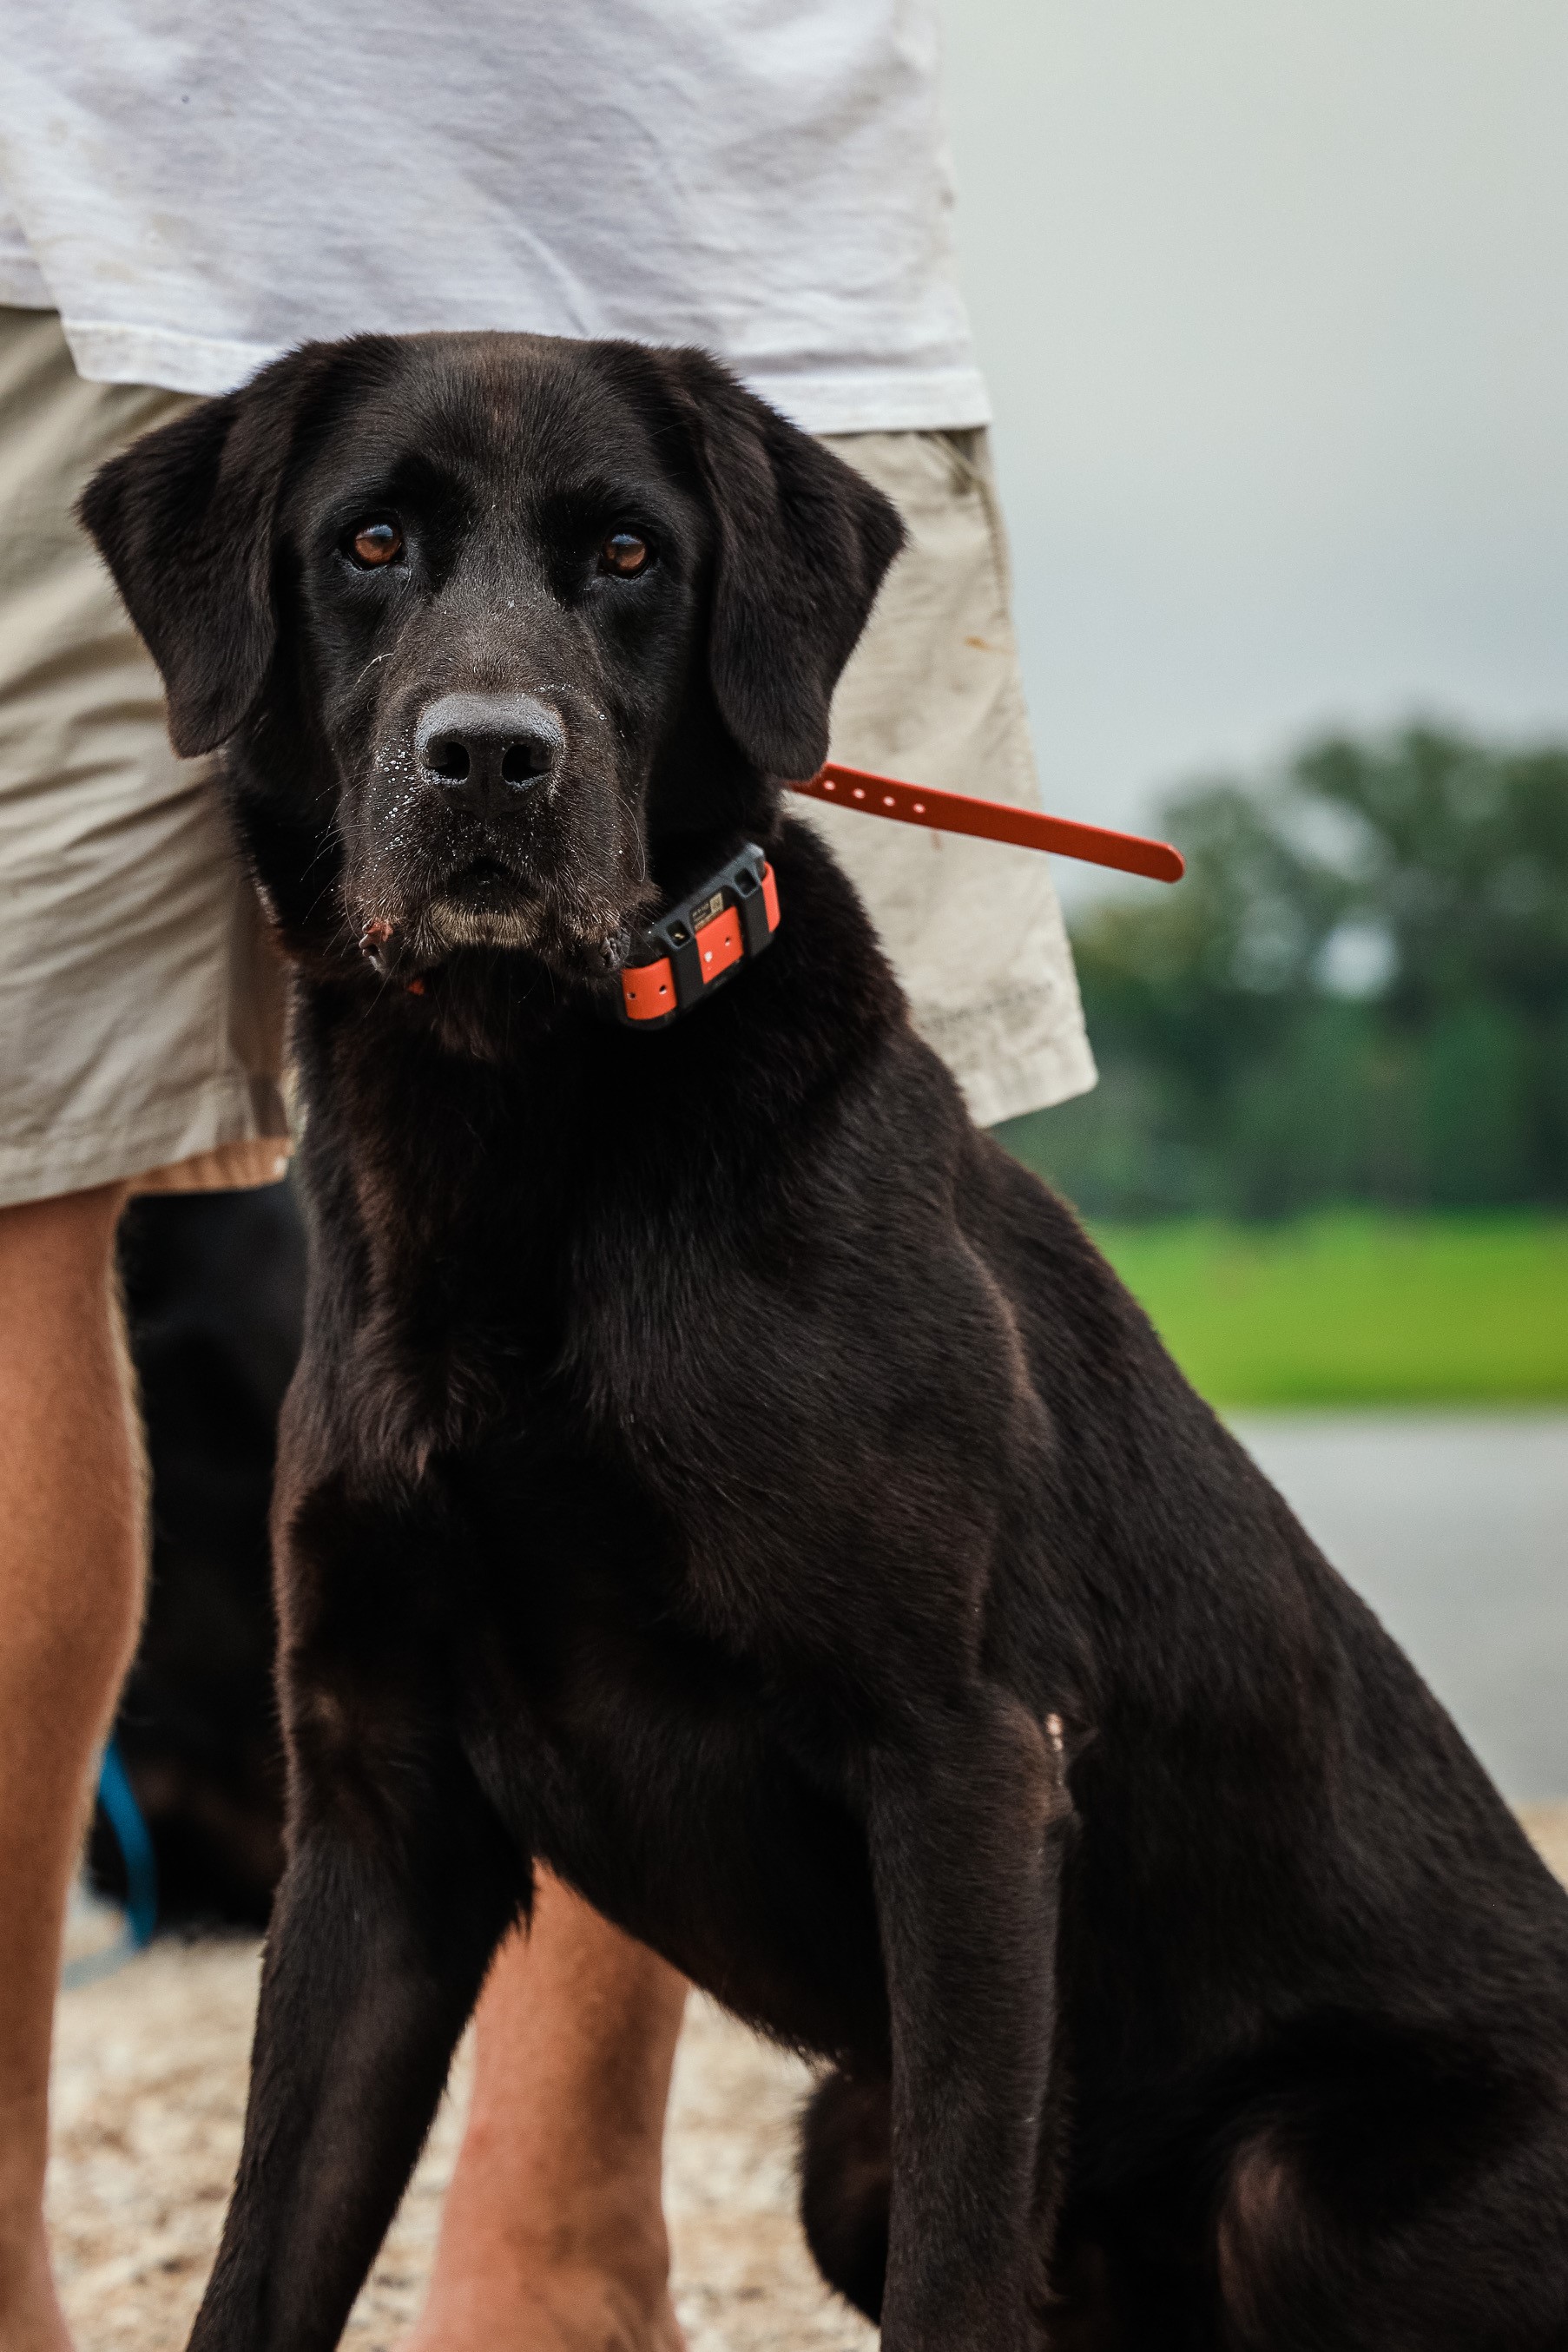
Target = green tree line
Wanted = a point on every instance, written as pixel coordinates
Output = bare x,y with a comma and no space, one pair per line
1358,994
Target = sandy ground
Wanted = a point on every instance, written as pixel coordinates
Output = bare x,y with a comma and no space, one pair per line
150,2073
149,2088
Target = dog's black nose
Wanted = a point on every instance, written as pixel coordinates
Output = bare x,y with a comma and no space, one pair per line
488,747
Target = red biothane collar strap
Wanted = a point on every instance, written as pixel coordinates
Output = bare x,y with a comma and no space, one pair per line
1027,828
697,944
693,949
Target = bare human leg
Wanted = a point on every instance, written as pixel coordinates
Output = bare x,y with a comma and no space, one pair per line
71,1549
553,2237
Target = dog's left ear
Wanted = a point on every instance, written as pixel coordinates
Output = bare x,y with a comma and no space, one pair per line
802,543
184,520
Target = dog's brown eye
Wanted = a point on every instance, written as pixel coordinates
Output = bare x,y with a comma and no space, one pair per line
377,542
624,552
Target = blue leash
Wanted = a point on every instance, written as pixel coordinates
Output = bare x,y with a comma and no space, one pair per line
117,1799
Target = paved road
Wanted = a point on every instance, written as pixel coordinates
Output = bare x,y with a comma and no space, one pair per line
1455,1527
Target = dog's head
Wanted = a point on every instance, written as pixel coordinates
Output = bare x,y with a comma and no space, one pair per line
493,615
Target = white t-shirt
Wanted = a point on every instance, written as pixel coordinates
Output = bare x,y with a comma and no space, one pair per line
197,184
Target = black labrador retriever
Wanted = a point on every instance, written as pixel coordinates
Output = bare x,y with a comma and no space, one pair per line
717,1472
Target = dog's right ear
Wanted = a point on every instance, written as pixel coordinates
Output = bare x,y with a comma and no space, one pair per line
802,541
184,520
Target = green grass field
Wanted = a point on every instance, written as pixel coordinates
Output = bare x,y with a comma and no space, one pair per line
1351,1308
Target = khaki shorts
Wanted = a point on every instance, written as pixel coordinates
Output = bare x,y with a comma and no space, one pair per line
932,694
141,1005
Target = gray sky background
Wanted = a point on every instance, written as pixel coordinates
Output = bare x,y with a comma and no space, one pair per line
1270,294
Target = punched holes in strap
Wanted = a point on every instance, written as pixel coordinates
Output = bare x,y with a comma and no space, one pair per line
648,991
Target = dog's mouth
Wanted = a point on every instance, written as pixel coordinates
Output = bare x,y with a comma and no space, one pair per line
487,883
484,903
566,920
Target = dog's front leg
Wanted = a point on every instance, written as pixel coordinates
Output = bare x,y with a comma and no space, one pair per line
394,1900
965,1824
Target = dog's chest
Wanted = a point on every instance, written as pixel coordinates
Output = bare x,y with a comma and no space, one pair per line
665,1776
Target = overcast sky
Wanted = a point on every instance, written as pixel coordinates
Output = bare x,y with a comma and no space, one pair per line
1270,294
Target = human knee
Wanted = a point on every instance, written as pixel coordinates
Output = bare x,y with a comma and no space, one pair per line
72,1477
60,1250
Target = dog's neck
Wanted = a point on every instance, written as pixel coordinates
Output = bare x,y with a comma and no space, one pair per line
777,1031
470,1158
485,1002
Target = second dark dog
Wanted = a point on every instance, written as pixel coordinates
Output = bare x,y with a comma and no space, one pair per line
214,1291
717,1470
